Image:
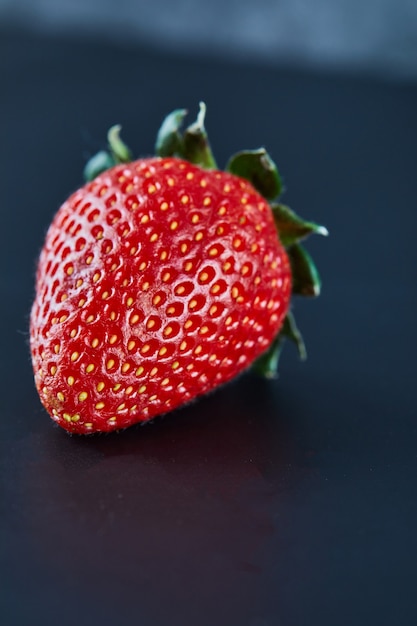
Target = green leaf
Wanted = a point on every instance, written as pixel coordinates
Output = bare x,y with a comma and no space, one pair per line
104,160
290,331
267,364
192,145
99,163
169,139
196,146
118,148
257,167
305,277
292,228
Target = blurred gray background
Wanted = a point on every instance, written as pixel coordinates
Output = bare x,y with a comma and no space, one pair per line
371,36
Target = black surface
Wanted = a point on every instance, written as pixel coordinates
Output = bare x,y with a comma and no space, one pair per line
289,503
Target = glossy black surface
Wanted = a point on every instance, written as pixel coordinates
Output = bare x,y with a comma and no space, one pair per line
289,503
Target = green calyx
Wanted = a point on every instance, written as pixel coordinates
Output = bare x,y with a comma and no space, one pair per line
256,166
293,228
192,144
267,364
117,152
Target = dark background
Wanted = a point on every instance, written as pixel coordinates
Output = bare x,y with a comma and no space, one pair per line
283,503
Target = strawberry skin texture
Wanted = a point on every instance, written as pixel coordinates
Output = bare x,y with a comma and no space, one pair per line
158,281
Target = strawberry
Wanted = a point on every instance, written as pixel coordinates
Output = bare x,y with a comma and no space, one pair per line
162,278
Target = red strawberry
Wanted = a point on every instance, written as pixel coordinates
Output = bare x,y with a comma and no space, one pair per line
158,281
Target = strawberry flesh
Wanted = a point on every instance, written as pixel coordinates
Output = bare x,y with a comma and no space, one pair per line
158,281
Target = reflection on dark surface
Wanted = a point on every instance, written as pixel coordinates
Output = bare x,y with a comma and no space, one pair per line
180,507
